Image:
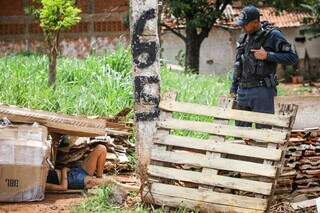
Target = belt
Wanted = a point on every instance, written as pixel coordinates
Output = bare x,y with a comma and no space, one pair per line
260,83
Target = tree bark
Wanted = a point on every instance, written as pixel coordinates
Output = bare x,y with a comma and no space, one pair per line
192,51
53,53
52,67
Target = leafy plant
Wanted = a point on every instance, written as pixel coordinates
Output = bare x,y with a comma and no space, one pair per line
54,16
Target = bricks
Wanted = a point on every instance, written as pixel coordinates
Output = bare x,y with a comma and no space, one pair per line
302,160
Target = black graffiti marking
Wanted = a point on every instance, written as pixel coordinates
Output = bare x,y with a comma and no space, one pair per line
147,116
12,182
140,95
138,48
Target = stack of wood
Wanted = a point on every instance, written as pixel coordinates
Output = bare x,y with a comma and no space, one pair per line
301,172
73,137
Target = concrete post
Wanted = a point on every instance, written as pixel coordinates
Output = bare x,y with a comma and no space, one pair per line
146,69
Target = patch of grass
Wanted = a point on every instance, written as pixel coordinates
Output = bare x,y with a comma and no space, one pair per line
96,203
94,86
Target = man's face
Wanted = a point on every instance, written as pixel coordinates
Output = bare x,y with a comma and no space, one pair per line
251,27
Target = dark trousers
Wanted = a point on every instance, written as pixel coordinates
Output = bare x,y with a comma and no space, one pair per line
256,99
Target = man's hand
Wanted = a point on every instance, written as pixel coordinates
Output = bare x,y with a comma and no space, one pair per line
260,54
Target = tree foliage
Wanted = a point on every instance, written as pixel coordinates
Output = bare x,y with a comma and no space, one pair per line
313,29
54,16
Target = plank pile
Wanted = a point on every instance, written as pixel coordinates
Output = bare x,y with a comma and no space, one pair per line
212,174
302,163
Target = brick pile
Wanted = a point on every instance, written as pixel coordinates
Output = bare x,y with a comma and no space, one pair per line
301,172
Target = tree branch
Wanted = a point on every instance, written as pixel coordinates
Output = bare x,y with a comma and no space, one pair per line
177,33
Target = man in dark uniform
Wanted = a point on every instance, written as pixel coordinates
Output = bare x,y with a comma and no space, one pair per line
259,50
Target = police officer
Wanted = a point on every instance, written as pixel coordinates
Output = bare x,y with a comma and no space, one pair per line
259,50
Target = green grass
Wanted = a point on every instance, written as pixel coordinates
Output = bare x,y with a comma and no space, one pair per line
100,203
96,85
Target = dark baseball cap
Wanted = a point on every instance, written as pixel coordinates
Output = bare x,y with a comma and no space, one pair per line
247,14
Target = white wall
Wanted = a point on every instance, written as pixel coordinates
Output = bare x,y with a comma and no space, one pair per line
217,53
171,45
218,50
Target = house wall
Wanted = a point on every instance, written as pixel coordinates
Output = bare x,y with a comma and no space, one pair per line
100,30
217,52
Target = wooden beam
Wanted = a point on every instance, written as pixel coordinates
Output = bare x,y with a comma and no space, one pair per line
64,124
198,206
227,147
212,180
224,113
201,160
260,135
209,197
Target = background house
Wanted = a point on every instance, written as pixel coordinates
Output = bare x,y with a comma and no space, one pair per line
101,28
217,52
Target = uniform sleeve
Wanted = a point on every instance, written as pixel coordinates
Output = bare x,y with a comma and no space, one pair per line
283,52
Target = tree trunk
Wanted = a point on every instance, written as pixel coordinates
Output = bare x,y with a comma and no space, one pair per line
193,43
52,67
53,53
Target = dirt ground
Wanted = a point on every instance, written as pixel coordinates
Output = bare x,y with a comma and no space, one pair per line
58,202
52,203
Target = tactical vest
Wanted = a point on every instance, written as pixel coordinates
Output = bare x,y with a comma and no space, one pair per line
253,70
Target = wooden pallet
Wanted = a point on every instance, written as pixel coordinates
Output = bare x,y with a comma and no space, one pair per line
223,173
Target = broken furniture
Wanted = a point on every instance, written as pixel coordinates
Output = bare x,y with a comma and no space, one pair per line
220,173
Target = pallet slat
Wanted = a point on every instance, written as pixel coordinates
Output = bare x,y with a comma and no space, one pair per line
209,197
233,114
260,135
219,163
165,200
221,147
213,180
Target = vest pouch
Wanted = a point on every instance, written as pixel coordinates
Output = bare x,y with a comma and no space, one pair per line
249,65
260,67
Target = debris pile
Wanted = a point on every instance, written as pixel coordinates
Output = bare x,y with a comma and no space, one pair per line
301,171
72,150
73,137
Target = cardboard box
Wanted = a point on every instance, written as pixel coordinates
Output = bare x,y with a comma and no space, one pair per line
23,167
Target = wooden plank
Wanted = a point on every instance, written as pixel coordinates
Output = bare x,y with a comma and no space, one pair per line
198,206
64,124
218,112
209,197
218,163
227,147
213,180
303,204
222,102
260,135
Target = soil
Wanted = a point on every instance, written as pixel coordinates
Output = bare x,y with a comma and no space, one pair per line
51,203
